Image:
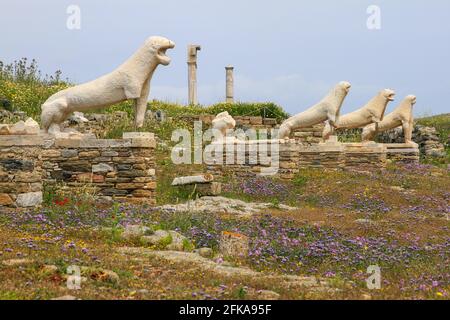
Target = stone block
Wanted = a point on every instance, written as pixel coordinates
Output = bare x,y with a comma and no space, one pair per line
90,178
138,135
5,199
29,199
140,193
14,140
102,167
69,153
51,153
234,245
89,154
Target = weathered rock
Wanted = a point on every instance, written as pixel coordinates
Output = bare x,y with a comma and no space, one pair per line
135,231
234,245
366,296
5,200
123,167
49,269
109,276
221,204
156,239
16,164
4,129
138,135
76,166
178,241
29,199
113,192
209,189
69,153
66,297
29,127
90,177
202,178
89,154
268,295
51,153
366,222
142,193
195,260
17,262
205,252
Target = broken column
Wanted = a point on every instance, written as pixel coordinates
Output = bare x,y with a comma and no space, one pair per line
192,72
229,84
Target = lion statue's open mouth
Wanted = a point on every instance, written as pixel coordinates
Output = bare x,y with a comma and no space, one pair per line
161,53
390,94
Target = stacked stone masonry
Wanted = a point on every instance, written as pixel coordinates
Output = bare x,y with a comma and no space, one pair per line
121,169
294,156
20,171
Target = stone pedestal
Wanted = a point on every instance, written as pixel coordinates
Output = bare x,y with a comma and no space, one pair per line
123,169
403,152
365,155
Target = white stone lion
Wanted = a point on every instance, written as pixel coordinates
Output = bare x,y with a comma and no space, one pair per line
401,116
223,122
327,109
372,112
131,80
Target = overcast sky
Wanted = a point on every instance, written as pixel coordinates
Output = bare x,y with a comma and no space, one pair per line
290,52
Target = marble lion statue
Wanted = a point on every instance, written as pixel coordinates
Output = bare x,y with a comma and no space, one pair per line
130,81
372,112
401,116
327,109
223,122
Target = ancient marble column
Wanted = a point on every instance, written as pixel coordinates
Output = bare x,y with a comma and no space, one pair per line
192,72
229,84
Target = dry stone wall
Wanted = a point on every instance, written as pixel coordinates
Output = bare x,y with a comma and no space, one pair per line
20,171
120,169
293,156
123,169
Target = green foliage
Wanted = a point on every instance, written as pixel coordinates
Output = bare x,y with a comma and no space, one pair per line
300,180
24,88
241,292
187,245
164,242
349,135
266,109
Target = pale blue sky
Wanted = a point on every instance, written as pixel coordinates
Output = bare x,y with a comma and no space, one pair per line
289,51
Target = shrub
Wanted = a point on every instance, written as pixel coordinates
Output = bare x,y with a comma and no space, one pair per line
24,88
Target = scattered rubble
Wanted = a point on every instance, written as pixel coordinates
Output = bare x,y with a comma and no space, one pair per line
213,204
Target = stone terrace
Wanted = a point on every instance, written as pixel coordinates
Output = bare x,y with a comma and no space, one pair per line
123,169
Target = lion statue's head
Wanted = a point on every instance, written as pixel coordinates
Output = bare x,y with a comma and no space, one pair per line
344,86
159,45
389,94
411,98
